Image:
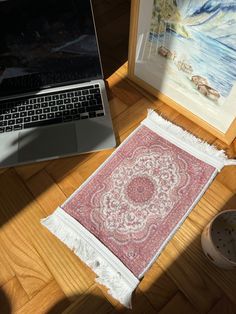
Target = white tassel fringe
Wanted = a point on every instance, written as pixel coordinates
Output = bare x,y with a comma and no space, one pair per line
118,286
188,142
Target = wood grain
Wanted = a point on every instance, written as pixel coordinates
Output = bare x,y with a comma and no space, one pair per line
179,301
15,296
45,300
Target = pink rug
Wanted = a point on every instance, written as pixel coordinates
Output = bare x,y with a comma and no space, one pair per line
120,219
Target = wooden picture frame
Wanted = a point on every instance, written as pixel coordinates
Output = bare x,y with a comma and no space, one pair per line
144,57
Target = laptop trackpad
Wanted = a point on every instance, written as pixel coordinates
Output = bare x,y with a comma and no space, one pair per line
36,144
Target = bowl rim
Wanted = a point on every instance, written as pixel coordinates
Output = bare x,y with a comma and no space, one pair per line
233,263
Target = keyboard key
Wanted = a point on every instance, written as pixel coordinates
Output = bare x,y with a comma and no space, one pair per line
84,117
63,107
11,122
67,119
42,123
58,114
8,128
85,92
98,98
77,105
94,108
3,123
21,108
85,103
30,112
95,91
81,110
42,117
27,119
89,97
17,127
52,103
100,114
46,110
75,99
82,98
33,101
63,96
66,113
23,114
41,99
19,120
7,116
59,102
55,97
35,118
74,111
44,105
92,102
92,114
53,109
29,107
70,94
76,117
48,98
50,115
2,130
38,111
36,106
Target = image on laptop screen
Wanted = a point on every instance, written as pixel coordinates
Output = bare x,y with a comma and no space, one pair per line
46,43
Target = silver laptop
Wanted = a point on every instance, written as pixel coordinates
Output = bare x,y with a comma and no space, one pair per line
53,101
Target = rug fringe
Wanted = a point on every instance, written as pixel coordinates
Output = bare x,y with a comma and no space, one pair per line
117,285
185,140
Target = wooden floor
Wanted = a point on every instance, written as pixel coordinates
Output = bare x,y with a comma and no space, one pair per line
38,274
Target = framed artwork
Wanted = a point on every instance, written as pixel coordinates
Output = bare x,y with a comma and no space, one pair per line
184,52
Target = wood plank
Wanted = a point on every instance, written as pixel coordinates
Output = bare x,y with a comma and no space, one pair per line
56,256
46,192
178,302
223,306
15,296
60,169
6,272
157,287
27,171
28,266
42,303
228,177
186,253
117,107
191,281
91,302
22,256
140,305
224,279
3,170
123,91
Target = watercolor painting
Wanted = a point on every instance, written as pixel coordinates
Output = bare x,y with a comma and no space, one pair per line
193,45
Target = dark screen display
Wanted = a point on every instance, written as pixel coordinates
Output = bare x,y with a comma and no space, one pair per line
46,43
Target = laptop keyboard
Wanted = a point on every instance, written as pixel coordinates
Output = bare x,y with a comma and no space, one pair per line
65,106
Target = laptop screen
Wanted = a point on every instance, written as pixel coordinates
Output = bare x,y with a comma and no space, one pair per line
46,43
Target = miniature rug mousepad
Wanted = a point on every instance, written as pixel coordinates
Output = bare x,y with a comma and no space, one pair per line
120,219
